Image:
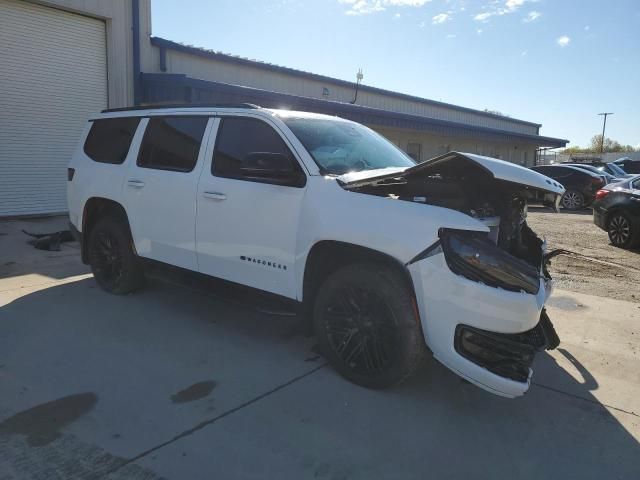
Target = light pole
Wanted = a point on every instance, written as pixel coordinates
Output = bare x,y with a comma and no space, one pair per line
604,125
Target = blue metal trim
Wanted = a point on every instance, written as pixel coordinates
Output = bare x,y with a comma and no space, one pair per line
162,88
168,44
135,20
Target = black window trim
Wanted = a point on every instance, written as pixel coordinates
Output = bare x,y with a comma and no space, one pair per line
278,131
203,141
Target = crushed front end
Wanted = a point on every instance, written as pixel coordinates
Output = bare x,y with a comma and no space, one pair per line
480,294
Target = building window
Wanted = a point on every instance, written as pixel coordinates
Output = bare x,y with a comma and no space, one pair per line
325,92
413,150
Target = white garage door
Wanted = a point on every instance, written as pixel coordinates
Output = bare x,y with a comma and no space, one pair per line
53,75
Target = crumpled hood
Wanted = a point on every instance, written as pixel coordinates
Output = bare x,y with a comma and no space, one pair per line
498,169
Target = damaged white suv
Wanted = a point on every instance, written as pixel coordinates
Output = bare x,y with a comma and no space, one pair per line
384,256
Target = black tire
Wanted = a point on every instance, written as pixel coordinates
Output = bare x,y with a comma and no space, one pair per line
113,261
623,231
366,324
572,200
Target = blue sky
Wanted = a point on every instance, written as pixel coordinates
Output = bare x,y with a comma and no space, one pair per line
555,62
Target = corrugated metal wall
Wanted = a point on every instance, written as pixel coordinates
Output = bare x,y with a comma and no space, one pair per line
53,75
227,72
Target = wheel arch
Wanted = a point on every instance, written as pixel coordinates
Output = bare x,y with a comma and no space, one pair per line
94,209
327,256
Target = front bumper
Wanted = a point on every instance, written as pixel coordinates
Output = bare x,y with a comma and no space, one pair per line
448,303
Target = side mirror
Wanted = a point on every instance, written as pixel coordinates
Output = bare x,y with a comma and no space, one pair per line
274,168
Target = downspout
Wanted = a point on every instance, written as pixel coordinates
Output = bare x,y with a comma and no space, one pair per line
135,20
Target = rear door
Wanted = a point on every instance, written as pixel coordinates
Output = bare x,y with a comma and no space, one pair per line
160,187
246,228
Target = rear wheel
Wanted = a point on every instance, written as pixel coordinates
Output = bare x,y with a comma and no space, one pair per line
367,325
622,231
572,200
113,261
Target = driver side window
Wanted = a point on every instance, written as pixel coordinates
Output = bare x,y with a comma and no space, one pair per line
240,140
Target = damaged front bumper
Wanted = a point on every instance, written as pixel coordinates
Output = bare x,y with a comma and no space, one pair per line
487,335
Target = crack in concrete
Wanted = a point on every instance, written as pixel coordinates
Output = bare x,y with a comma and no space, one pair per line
211,421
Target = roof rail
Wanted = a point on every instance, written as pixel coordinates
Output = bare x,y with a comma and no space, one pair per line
182,105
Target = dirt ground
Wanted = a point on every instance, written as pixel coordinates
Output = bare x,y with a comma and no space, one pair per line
597,268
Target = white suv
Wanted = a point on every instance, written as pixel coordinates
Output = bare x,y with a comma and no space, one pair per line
384,257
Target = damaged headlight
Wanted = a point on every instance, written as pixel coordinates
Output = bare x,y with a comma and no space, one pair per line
474,256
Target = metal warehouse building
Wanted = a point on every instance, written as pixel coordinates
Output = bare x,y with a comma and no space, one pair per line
63,60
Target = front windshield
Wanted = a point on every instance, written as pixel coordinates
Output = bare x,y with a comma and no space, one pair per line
339,146
616,170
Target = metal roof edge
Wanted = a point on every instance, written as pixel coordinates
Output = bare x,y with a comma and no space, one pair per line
164,43
338,107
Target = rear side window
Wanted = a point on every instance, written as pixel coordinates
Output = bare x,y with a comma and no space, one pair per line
109,139
172,143
238,138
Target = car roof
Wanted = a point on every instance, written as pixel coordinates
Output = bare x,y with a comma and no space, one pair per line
572,167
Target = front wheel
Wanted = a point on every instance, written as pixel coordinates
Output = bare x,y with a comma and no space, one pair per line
113,261
622,231
367,326
572,200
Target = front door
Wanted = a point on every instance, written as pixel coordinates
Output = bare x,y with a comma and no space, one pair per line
246,227
159,192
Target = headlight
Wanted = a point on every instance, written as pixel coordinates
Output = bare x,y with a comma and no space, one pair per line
474,256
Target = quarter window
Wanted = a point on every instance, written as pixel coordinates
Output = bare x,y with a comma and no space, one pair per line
110,138
240,139
172,143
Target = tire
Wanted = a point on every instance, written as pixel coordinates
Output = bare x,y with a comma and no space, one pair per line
572,200
366,324
113,261
623,231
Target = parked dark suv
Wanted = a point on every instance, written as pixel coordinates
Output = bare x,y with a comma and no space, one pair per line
628,165
617,210
581,185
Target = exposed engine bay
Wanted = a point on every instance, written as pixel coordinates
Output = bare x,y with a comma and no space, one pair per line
461,184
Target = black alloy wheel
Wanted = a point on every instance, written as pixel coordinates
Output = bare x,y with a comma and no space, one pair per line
361,330
621,231
113,262
367,325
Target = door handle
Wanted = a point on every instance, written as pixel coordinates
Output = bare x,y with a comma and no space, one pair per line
214,195
135,183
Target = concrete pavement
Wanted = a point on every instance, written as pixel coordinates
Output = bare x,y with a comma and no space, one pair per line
172,383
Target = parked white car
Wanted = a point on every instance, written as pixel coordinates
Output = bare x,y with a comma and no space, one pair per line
384,256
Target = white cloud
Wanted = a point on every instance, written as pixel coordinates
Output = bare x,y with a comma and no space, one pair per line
421,24
586,28
479,31
532,17
451,35
482,17
524,53
496,8
440,18
563,41
397,15
364,7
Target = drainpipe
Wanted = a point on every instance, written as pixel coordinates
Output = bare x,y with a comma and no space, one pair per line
135,20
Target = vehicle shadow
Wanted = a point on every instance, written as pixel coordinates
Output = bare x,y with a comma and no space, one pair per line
71,338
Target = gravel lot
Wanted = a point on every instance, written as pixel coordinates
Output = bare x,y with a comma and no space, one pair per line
597,268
